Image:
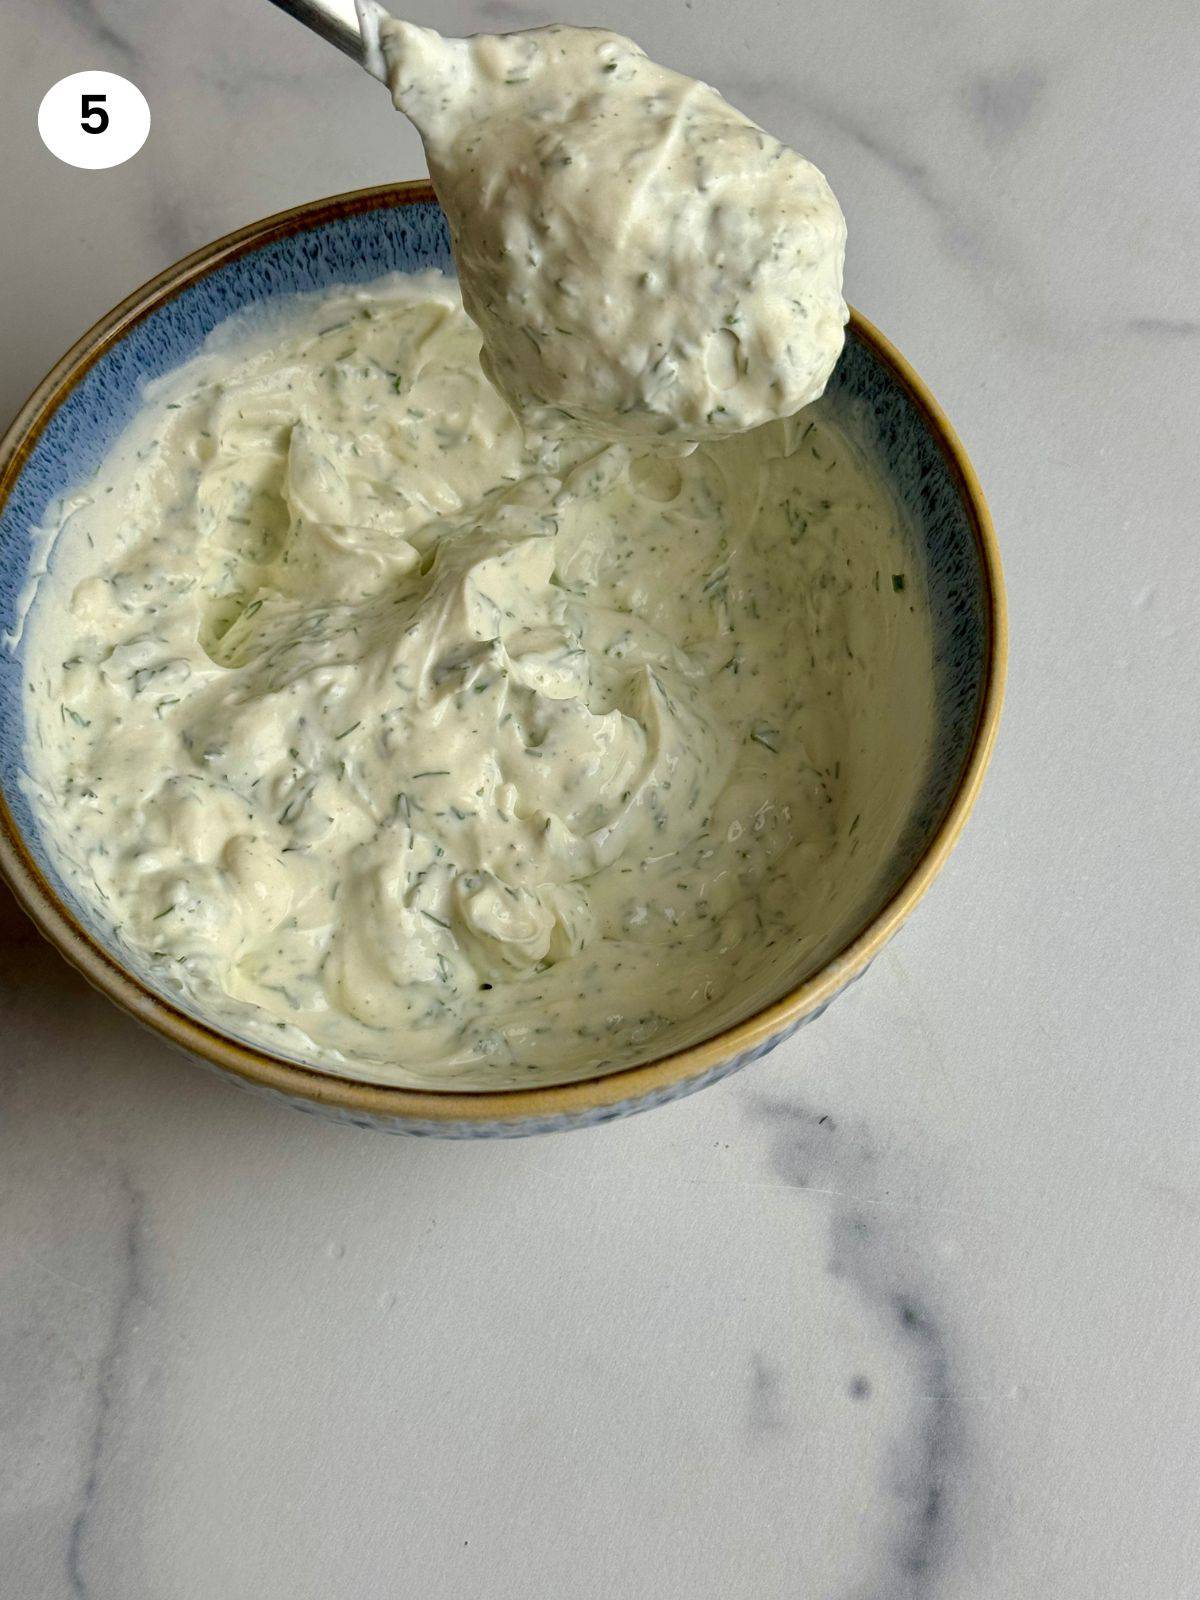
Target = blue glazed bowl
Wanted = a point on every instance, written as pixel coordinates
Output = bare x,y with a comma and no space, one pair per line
73,418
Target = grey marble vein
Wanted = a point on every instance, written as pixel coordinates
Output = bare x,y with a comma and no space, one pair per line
108,1383
92,19
808,1150
766,1410
1164,327
169,219
509,15
970,232
1002,103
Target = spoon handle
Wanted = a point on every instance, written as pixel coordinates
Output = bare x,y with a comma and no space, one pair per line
340,23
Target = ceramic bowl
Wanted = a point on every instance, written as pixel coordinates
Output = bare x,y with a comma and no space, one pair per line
75,415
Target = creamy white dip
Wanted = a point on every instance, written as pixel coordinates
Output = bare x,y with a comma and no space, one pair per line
640,257
384,733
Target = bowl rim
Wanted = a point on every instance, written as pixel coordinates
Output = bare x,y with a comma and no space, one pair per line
358,1096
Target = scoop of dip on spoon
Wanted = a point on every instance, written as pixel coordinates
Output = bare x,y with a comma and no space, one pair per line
642,260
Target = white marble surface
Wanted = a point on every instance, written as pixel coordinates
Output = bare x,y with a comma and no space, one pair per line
909,1310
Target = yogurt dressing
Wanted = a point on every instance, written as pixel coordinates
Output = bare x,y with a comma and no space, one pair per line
640,257
399,738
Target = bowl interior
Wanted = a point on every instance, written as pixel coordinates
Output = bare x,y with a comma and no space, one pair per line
936,713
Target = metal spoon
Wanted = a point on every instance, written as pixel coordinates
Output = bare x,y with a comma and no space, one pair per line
341,23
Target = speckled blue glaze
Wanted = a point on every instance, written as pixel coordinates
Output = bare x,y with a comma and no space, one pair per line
357,248
876,407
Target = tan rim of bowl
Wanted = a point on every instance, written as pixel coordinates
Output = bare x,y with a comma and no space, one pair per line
631,1083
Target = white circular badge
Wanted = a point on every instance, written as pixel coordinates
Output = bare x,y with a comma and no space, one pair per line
94,119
